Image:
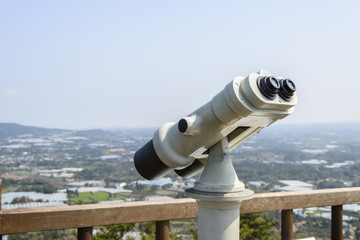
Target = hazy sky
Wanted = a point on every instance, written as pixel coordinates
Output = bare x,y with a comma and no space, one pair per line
83,64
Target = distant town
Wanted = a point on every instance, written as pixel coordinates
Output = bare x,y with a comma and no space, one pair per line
55,167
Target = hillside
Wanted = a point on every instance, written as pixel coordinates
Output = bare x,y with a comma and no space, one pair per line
14,129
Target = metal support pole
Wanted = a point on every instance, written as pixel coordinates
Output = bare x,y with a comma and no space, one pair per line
286,224
162,230
337,222
218,220
219,194
85,233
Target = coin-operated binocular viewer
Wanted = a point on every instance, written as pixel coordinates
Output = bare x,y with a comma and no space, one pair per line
202,141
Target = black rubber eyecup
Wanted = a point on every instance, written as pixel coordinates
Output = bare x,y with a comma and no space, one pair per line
287,89
268,86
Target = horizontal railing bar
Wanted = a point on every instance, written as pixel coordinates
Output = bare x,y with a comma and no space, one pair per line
78,216
266,202
91,215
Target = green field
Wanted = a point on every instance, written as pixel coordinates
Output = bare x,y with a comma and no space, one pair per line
89,197
23,174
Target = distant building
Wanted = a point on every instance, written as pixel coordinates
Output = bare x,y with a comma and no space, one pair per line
86,183
32,205
314,161
98,145
116,150
160,182
340,164
257,183
100,189
35,200
35,196
315,151
293,185
64,172
352,208
155,198
109,157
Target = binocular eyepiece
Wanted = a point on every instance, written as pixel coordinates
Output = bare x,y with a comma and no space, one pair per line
269,86
242,109
287,89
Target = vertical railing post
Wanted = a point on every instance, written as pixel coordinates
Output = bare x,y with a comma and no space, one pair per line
162,230
337,222
287,224
85,233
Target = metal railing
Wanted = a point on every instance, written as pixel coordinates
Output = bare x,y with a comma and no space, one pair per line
85,217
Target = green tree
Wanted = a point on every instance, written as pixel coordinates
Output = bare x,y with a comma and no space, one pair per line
148,231
113,232
330,184
49,188
255,226
154,188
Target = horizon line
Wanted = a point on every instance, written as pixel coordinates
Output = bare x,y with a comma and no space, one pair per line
109,128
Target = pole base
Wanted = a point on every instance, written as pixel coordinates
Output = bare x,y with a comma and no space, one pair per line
219,213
